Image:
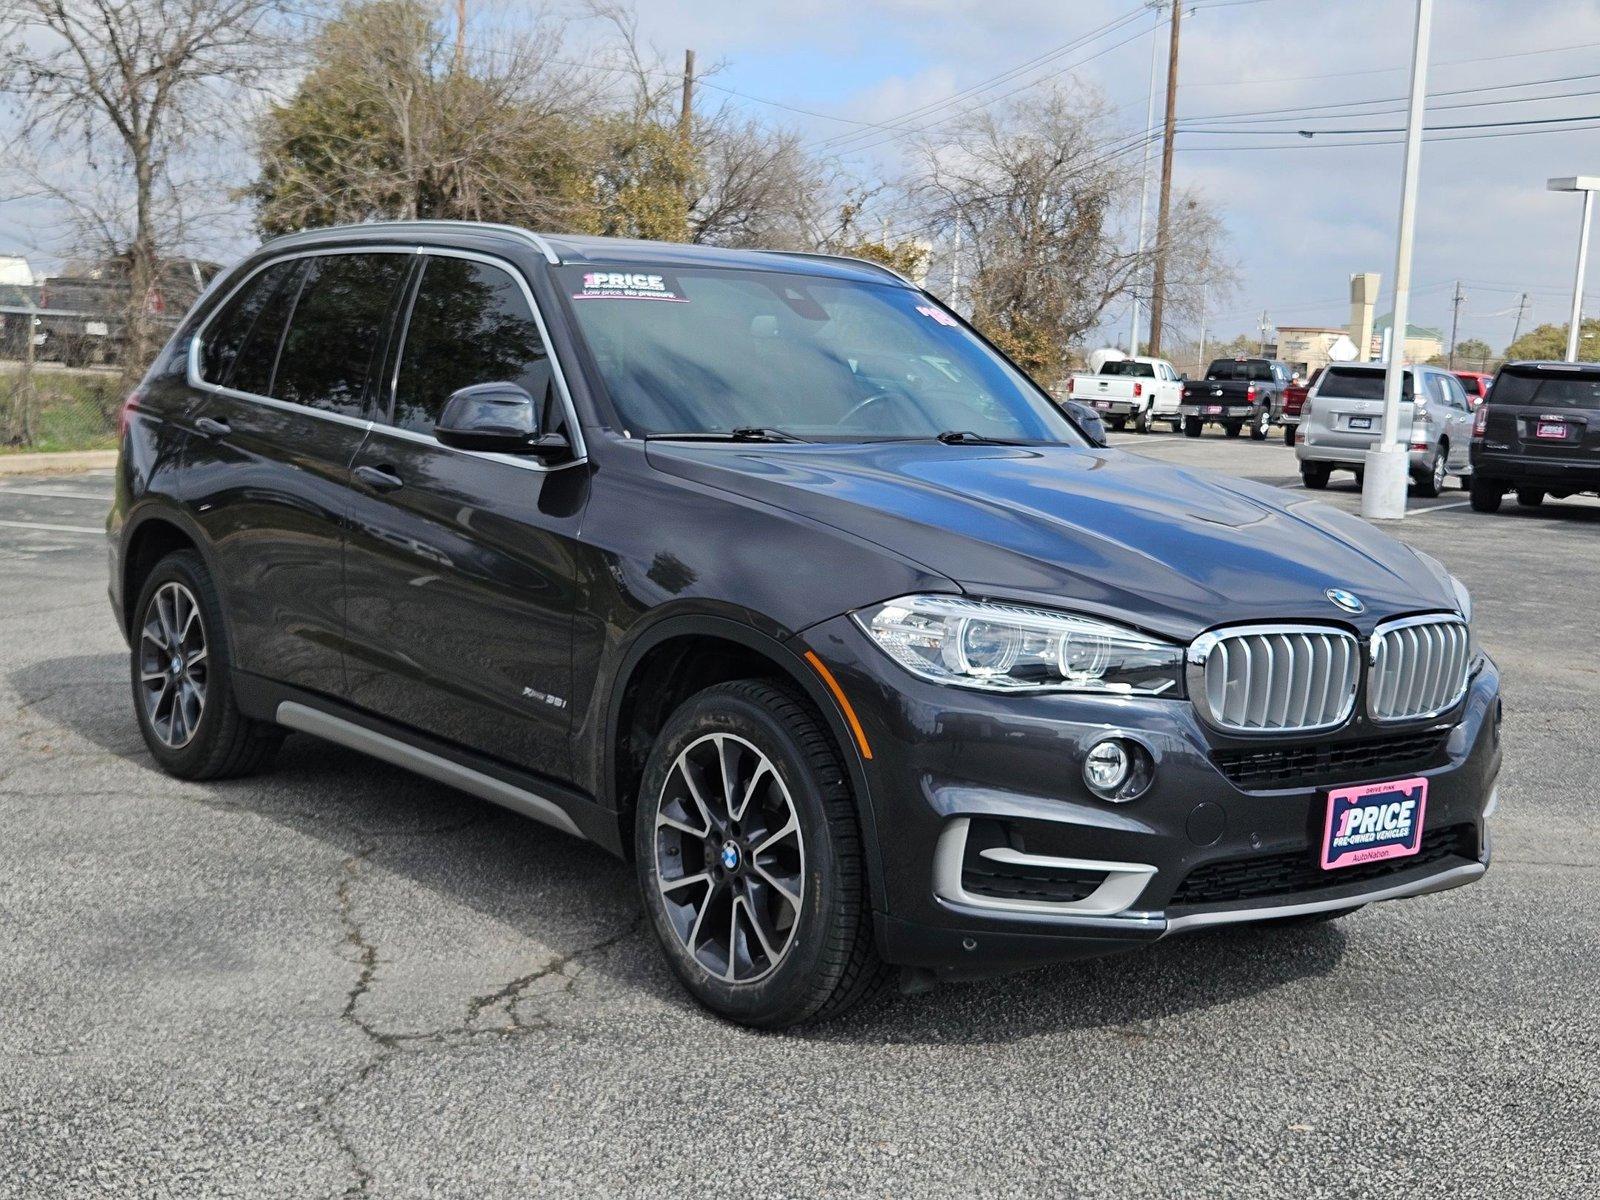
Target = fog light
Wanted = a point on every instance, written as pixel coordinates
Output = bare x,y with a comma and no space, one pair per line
1118,769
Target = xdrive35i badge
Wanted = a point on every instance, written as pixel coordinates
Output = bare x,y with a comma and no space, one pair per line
1349,601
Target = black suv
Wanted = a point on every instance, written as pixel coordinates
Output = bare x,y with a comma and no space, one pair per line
1537,433
767,572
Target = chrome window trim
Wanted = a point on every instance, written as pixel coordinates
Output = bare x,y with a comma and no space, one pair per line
196,340
1201,647
1435,618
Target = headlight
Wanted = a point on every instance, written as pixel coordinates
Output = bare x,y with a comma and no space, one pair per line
1009,648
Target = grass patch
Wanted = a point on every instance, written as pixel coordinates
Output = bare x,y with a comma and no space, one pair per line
72,410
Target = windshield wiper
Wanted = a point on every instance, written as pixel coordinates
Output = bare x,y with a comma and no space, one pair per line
748,433
965,437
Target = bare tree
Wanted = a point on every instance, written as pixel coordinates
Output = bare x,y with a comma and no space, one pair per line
139,83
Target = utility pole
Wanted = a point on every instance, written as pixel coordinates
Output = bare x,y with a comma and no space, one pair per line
1159,287
461,35
1516,326
686,111
1205,299
1144,192
1262,325
1455,321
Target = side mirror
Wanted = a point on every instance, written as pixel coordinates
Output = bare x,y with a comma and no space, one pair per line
498,417
1088,423
1184,376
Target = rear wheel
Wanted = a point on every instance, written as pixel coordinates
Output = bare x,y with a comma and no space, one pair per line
1486,495
182,678
750,859
1141,421
1191,427
1315,475
1431,482
1530,497
1260,426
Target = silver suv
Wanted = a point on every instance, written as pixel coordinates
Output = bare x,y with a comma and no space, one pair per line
1343,418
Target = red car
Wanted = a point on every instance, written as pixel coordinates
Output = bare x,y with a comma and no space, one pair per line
1477,385
1294,398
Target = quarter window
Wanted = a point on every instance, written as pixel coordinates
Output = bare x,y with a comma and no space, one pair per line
258,357
336,334
230,330
470,324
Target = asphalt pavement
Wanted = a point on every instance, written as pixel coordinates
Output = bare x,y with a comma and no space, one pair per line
337,979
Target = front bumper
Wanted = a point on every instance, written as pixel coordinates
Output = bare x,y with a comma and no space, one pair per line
952,767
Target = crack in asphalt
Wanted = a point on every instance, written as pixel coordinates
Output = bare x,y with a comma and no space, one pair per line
446,1038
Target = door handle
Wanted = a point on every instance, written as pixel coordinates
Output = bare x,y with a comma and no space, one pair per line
379,479
213,428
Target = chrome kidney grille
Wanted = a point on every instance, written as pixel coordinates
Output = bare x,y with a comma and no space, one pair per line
1419,668
1275,678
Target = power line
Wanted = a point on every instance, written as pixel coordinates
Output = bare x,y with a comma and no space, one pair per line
1308,109
1453,62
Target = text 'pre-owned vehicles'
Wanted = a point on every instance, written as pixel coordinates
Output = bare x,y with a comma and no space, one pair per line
1342,418
1138,390
1537,434
1237,393
768,573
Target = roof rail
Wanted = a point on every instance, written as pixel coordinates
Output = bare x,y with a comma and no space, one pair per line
542,245
850,258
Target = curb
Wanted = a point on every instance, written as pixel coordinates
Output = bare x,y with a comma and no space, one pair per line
68,462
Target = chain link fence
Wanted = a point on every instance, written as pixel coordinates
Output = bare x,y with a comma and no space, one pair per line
45,406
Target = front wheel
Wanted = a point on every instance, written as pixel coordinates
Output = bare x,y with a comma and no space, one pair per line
750,859
182,678
1232,428
1288,436
1260,426
1529,497
1191,427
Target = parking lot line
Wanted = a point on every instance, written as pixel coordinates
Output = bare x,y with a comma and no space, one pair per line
54,494
51,528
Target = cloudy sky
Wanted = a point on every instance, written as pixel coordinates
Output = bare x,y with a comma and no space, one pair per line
1302,215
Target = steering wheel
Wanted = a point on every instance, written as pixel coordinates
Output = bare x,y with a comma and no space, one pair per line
875,398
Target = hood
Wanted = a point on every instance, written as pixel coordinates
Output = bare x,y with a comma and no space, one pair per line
1172,549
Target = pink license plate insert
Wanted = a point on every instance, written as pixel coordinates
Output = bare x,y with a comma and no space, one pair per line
1373,822
1555,430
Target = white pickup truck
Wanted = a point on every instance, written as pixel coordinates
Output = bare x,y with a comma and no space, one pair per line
1141,390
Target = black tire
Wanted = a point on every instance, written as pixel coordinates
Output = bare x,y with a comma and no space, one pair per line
1260,426
1141,422
1431,482
829,963
1288,435
1232,428
222,742
1192,427
1529,497
1315,475
1117,423
1486,495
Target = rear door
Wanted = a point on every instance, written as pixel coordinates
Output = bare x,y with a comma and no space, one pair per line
461,565
1456,416
1545,411
278,433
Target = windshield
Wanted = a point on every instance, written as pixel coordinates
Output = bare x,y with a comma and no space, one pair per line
1551,387
709,351
1354,383
1251,370
1127,367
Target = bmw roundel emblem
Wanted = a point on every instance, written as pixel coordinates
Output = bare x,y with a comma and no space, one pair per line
1349,601
730,856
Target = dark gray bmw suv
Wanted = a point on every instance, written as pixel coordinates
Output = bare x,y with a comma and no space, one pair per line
767,572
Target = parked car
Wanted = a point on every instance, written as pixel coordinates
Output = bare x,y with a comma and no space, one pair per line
768,573
1476,384
1537,434
1237,393
1342,419
1140,390
1287,414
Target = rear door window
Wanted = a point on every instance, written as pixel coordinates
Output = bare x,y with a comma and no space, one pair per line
258,357
1548,388
470,324
335,337
227,334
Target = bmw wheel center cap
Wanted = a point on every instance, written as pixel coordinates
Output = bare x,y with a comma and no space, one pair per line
730,856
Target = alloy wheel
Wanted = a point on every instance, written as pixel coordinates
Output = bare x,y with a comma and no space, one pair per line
173,669
1441,471
729,857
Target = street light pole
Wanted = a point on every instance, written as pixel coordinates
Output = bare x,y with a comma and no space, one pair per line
1588,185
1387,467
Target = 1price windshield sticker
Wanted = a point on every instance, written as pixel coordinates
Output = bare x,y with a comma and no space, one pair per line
936,314
628,285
